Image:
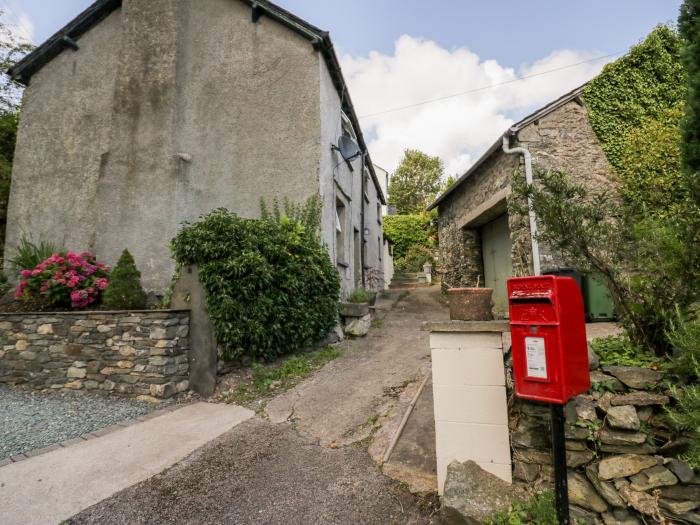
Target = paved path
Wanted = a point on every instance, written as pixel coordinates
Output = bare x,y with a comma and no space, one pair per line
50,488
308,462
338,404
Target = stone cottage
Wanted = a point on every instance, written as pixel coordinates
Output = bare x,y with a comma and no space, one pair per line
480,242
141,114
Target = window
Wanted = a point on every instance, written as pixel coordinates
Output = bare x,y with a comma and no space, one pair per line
366,184
379,247
379,213
340,232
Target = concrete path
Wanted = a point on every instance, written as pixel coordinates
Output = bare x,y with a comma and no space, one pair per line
341,404
52,487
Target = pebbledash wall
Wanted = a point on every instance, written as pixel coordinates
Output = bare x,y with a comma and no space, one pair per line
620,451
128,353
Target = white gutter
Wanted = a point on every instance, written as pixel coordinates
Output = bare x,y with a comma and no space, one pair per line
533,218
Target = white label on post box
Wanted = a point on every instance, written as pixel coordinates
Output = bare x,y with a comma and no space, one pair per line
535,357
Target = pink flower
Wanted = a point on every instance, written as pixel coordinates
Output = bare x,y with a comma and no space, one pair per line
73,282
26,273
101,283
35,272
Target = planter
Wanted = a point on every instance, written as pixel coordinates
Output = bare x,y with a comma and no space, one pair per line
470,304
353,309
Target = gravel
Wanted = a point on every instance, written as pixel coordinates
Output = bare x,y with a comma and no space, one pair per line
31,420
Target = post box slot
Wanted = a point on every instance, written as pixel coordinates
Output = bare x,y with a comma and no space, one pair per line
530,300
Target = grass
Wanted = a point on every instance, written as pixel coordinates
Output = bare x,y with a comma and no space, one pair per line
279,376
377,323
539,510
360,295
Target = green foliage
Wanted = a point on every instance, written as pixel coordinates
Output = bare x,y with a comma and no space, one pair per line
308,214
271,286
689,26
29,254
414,259
685,412
619,351
415,183
125,291
405,231
646,263
12,50
539,510
684,336
645,83
360,295
651,179
281,376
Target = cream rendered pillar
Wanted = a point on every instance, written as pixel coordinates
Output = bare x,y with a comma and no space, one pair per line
471,412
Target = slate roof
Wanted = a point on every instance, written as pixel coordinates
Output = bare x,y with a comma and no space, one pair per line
99,10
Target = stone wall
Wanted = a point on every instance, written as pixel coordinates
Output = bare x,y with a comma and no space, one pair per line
127,353
460,247
619,451
562,140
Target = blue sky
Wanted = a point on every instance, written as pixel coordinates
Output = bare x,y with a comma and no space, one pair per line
400,52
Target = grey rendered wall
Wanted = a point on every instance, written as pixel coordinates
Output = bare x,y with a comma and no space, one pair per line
155,83
63,138
337,182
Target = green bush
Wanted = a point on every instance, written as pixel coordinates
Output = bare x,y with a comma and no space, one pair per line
405,231
539,510
619,351
360,295
28,254
414,259
271,286
125,291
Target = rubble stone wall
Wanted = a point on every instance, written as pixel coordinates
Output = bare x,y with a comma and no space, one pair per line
620,451
126,353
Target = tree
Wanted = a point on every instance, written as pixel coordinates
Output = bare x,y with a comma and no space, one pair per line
12,49
415,183
689,26
124,291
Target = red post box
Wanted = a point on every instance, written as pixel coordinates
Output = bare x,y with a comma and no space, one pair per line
548,330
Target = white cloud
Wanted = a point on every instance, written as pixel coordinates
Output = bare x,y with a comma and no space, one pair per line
19,26
457,129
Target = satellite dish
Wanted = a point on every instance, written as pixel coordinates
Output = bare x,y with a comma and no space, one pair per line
348,148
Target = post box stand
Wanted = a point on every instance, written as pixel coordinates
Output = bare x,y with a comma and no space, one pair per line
550,357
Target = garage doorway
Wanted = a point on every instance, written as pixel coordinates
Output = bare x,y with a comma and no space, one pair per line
496,253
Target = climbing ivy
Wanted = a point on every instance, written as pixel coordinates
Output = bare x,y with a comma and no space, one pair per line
644,84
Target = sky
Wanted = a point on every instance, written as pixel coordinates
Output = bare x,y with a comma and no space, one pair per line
398,53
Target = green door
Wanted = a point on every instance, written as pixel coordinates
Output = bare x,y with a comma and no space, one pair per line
495,244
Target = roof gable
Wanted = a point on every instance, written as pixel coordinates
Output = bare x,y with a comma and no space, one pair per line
99,10
515,128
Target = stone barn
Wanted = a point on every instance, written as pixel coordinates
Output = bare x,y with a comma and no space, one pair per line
480,242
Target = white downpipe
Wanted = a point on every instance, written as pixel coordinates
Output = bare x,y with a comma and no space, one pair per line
533,218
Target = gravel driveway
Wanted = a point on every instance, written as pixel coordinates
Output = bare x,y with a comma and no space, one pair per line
31,420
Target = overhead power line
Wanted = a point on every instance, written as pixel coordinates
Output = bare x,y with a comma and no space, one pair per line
484,88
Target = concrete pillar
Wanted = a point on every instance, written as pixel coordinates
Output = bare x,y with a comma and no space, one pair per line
188,294
471,410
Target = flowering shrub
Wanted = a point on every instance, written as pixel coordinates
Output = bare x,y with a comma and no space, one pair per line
64,279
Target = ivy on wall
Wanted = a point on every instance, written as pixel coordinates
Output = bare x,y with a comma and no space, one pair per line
641,86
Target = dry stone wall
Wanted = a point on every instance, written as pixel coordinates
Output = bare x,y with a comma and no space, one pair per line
620,451
126,353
